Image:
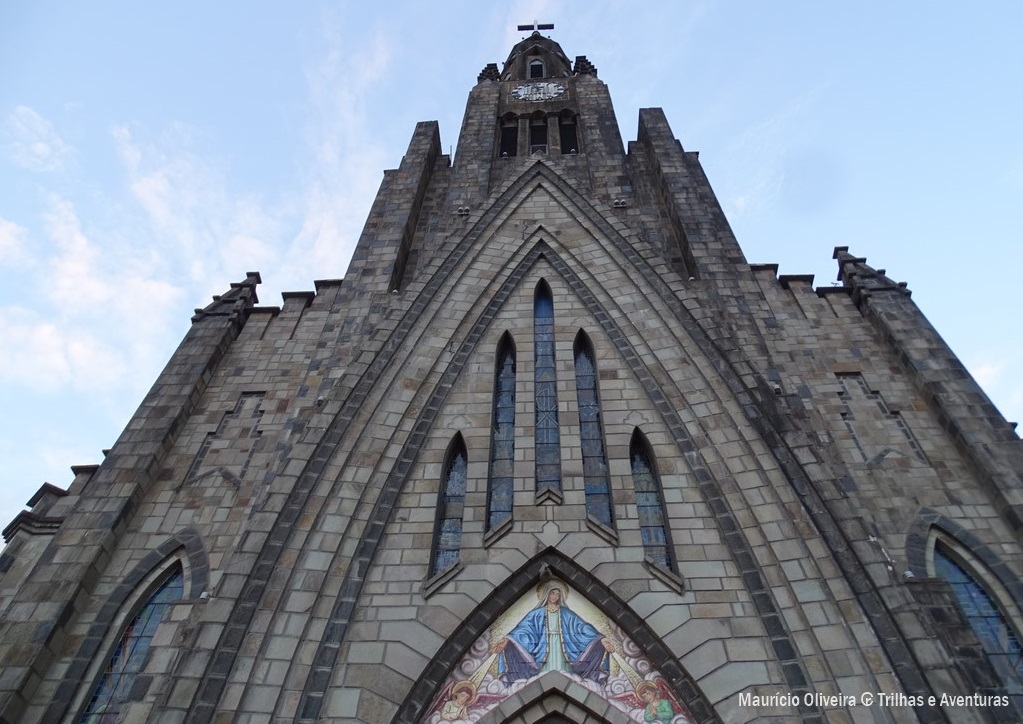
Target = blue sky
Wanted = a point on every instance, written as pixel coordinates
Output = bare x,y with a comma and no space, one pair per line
152,153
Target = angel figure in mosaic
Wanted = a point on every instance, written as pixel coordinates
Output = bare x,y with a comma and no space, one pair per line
463,694
552,637
657,706
652,700
460,698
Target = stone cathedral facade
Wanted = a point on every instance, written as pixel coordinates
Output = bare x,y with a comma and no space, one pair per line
553,450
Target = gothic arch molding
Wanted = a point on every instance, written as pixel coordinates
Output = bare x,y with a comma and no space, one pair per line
197,570
550,696
389,483
548,564
782,641
919,544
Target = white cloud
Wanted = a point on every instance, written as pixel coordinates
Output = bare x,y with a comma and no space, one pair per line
986,373
13,244
75,276
32,142
756,160
1004,388
84,282
205,234
524,12
46,355
347,155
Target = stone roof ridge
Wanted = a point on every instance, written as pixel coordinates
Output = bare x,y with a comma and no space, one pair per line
855,273
785,280
37,521
47,490
233,303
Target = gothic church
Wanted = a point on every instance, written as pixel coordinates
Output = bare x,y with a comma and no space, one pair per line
552,451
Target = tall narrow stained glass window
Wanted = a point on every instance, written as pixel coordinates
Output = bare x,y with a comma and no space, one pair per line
450,507
548,437
502,437
596,479
113,692
999,641
650,503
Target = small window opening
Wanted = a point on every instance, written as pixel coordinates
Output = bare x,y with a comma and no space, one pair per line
650,503
569,138
536,69
447,540
538,135
596,476
996,635
113,691
509,139
502,437
547,441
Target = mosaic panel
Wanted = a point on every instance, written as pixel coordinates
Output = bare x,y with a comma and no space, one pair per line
554,628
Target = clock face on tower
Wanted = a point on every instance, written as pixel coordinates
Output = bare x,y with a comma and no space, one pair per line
538,91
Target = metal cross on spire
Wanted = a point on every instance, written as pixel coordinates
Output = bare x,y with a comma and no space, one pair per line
537,26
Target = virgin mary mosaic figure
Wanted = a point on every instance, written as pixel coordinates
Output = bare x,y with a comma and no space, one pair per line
552,637
536,636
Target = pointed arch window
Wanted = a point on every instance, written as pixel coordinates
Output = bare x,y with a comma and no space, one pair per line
509,137
650,503
996,635
547,434
502,437
596,478
569,135
536,69
447,539
113,692
538,134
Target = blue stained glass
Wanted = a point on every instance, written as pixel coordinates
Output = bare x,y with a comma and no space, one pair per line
445,558
659,555
502,438
448,538
500,470
547,438
503,446
547,455
501,501
996,636
649,504
547,403
599,506
646,498
129,656
584,366
543,306
546,379
595,471
653,535
649,517
548,476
